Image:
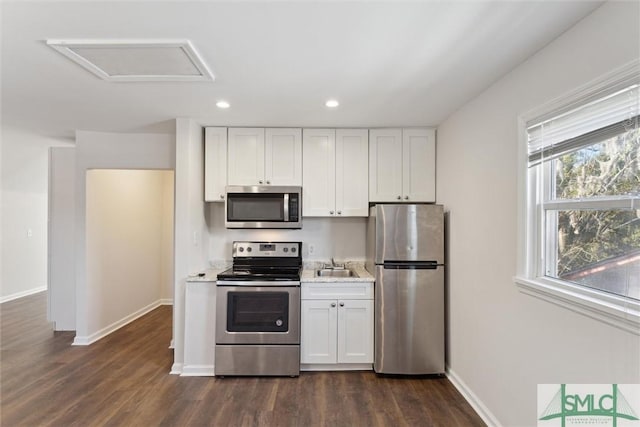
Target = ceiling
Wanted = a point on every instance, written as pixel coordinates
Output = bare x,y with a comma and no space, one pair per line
389,63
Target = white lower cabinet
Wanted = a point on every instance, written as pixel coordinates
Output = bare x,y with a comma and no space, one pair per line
336,326
355,331
319,333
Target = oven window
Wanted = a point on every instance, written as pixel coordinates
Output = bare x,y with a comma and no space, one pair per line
255,207
257,311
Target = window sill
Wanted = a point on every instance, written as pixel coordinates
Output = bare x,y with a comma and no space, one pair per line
617,311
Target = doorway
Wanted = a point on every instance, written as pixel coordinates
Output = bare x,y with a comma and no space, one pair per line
129,245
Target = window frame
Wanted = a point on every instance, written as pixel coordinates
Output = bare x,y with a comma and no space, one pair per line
621,312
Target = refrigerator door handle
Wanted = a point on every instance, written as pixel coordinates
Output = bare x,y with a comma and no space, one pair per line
411,265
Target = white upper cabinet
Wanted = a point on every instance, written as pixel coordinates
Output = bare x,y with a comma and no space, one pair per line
352,172
283,156
246,156
215,163
335,178
259,156
402,165
385,165
419,165
318,172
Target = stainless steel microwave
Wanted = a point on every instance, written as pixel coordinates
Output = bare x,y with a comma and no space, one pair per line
263,206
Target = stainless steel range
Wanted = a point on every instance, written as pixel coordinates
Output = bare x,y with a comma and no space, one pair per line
258,310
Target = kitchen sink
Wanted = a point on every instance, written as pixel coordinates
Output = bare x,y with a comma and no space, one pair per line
335,272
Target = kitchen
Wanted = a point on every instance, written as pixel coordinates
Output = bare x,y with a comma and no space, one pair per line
336,188
495,331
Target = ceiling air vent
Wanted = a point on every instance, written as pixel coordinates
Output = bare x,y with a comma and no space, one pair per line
136,60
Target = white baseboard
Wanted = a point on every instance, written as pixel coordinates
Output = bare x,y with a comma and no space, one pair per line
166,301
22,294
90,339
197,371
176,369
473,400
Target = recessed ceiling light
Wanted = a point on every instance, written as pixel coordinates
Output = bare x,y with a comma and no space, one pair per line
136,60
332,103
222,104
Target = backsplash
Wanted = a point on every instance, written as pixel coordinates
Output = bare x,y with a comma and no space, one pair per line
322,238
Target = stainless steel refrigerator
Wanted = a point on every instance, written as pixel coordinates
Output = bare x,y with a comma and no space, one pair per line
405,253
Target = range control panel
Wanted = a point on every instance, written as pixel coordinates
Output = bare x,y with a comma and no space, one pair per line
267,249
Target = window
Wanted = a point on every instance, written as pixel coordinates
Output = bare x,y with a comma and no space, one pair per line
583,204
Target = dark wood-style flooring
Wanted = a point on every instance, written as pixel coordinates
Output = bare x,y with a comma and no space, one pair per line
123,380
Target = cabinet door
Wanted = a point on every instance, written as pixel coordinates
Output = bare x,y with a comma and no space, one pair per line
385,165
419,165
283,156
318,172
318,339
215,164
355,331
352,173
246,156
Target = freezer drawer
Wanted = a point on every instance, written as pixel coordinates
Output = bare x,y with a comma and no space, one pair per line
409,321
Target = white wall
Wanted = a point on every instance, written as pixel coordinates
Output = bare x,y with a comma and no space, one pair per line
61,294
191,235
341,238
98,150
24,172
502,343
125,232
167,273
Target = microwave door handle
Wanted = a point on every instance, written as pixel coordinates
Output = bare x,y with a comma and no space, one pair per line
286,207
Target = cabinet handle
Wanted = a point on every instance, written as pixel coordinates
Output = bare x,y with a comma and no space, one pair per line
406,197
341,304
333,304
330,212
259,182
339,212
222,196
268,182
399,197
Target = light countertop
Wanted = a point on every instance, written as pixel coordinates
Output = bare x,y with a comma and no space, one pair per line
308,275
210,275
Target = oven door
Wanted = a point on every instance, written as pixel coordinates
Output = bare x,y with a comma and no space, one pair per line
257,314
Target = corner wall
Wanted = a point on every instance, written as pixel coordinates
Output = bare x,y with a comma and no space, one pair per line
502,343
